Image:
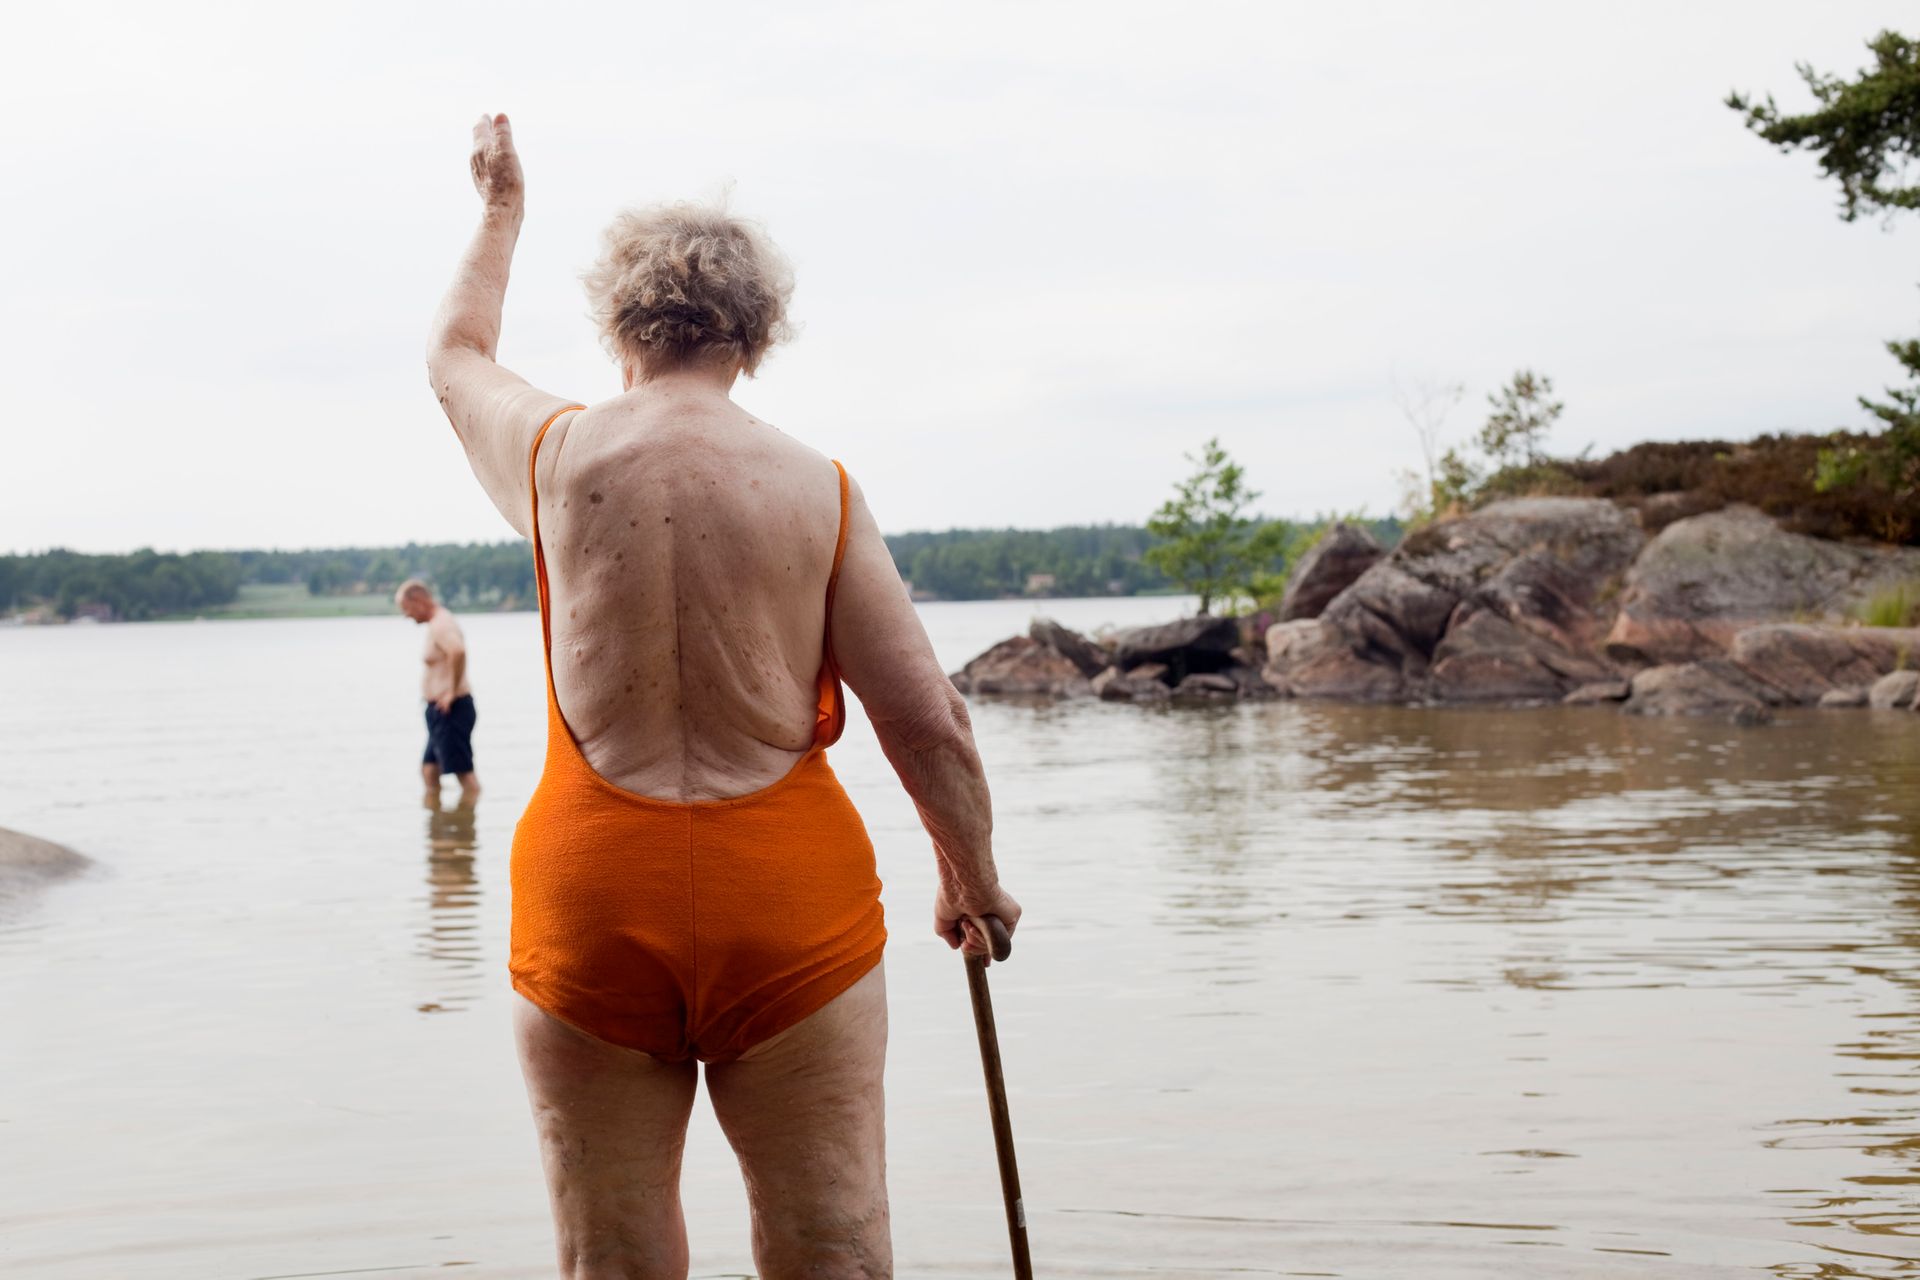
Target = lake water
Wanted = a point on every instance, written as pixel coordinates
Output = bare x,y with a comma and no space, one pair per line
1302,990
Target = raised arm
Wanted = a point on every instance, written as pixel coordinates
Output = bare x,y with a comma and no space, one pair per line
922,723
494,411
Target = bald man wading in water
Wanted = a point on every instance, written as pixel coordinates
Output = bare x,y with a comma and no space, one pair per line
443,683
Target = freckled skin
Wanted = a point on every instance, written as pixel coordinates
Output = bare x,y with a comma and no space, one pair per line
696,503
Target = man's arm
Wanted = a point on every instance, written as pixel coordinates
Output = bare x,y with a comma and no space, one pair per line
454,641
494,411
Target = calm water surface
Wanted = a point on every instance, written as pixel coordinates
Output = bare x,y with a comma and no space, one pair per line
1302,991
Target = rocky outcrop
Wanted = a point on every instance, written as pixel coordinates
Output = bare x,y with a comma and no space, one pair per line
1706,578
1193,660
1343,553
1711,687
1505,604
1023,667
1527,600
1894,691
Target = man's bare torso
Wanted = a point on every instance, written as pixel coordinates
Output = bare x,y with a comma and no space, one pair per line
688,547
437,679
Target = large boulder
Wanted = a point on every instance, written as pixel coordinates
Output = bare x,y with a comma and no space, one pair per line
1711,687
1023,667
1343,553
1894,691
1198,644
1309,659
1805,662
1070,644
1706,578
1507,603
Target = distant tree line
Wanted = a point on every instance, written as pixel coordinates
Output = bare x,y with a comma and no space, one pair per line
959,564
985,564
145,584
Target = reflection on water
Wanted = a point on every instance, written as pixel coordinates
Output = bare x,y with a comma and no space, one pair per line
1577,851
452,929
1371,992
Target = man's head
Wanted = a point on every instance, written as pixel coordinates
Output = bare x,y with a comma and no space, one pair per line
415,599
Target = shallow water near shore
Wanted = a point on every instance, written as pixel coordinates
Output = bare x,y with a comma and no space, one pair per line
1303,990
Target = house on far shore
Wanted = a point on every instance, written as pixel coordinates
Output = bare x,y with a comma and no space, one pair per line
1039,584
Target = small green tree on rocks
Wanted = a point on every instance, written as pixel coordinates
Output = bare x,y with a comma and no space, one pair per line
1210,545
1522,416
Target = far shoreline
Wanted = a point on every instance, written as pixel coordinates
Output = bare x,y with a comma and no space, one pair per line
369,606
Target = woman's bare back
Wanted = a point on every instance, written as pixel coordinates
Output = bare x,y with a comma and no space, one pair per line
688,549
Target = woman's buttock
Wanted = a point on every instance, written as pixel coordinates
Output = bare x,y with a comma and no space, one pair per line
693,929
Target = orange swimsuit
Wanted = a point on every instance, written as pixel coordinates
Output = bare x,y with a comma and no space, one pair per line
697,928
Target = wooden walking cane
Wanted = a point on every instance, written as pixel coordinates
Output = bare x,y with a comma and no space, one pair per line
1002,945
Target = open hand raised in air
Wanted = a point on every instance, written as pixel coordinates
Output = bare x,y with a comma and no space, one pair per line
496,165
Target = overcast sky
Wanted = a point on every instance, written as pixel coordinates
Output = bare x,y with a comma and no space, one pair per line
1042,249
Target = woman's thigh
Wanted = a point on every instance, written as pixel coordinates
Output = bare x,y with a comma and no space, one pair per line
806,1114
612,1125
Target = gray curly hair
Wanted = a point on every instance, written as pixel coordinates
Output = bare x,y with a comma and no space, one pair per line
688,284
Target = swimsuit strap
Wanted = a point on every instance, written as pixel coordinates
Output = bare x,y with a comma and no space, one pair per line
539,558
831,716
839,553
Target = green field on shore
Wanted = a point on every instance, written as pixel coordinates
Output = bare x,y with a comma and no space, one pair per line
290,600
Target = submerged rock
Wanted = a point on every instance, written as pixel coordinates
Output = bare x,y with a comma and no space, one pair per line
1343,553
1207,687
1706,578
1145,683
1598,691
1712,686
1894,691
28,863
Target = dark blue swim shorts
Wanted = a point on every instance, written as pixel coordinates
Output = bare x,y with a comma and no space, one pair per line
450,736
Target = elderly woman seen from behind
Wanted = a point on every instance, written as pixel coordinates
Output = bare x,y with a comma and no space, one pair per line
690,882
